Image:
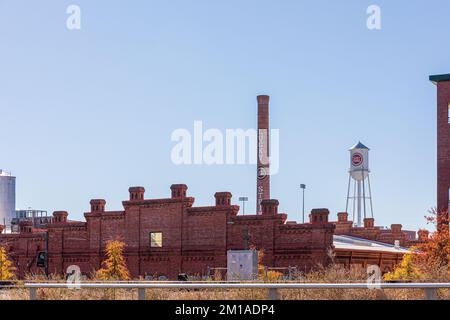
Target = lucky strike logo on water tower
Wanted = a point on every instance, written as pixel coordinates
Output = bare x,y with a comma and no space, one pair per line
357,159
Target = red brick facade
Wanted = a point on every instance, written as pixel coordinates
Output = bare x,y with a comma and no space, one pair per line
193,238
443,147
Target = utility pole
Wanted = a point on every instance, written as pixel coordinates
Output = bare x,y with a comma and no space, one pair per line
303,187
46,253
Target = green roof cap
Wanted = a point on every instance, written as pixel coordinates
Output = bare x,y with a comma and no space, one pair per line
440,78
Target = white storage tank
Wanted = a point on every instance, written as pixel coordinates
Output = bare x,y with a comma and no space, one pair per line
7,198
359,161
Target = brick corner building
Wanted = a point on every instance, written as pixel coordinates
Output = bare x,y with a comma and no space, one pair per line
443,142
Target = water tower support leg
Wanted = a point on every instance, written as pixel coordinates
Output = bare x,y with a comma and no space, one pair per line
359,202
364,196
370,196
348,192
354,201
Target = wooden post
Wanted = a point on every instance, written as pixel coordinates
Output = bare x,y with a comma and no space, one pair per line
33,294
141,293
273,294
431,294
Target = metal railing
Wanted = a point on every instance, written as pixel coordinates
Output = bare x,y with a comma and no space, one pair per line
430,289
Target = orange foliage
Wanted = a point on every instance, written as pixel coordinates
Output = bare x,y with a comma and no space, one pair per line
435,253
114,267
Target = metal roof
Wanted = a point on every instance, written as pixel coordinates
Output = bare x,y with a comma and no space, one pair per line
353,243
359,145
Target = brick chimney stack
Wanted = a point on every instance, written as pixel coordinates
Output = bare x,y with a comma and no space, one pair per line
97,205
223,199
136,193
342,216
423,235
263,167
269,207
369,222
60,216
178,191
25,226
319,216
396,228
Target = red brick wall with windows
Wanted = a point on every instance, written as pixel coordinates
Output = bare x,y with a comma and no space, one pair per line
194,238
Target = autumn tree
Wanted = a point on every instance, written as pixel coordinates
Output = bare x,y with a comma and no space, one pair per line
429,259
114,267
6,266
433,255
405,271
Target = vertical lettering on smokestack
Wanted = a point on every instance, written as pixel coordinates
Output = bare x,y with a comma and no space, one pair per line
263,166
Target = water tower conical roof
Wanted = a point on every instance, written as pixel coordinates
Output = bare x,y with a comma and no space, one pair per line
359,145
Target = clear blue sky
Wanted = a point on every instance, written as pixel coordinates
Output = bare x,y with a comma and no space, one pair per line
86,114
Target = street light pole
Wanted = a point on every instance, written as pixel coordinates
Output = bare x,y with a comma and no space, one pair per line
243,199
303,187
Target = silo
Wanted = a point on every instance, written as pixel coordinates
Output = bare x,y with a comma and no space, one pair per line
7,198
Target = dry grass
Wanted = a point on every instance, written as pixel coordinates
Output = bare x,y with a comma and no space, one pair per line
218,294
332,274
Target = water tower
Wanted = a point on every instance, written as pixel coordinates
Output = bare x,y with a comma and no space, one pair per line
358,191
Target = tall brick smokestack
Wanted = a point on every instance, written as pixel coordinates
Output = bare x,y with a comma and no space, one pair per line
263,172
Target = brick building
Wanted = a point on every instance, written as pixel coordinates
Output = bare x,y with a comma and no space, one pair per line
165,237
171,236
443,141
